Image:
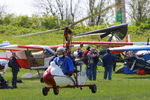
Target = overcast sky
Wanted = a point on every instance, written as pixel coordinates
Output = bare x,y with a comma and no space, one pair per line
19,7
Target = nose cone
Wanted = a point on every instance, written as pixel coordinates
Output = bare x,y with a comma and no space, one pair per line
48,78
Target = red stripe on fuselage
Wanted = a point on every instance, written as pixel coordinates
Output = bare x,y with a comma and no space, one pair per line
22,62
113,44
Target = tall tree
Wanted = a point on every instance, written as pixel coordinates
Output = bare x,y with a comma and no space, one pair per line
65,9
95,6
139,10
2,10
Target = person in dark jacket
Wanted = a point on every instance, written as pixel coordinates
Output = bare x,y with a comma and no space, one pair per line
92,63
109,61
15,69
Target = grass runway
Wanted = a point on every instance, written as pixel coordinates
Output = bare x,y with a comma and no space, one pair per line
122,87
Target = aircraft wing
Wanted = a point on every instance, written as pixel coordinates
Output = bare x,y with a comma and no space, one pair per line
18,47
1,45
104,44
30,47
129,48
119,30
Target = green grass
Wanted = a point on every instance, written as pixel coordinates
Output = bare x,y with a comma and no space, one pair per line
122,87
57,38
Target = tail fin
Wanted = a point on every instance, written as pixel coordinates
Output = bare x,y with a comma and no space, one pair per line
127,39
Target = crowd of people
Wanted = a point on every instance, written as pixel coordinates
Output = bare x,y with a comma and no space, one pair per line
90,57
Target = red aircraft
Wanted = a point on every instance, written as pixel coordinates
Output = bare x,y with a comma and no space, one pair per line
30,56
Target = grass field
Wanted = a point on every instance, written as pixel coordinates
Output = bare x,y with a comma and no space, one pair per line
122,87
57,38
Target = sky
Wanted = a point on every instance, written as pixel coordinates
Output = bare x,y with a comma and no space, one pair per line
19,7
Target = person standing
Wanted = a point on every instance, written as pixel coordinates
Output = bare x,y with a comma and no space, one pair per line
80,51
92,60
109,60
85,60
15,69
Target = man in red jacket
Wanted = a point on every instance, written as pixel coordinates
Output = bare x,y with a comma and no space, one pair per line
85,59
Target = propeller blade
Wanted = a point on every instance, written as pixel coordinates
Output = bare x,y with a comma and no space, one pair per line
30,34
97,13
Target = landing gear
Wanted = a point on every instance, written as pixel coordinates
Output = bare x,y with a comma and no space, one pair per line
56,90
45,91
93,88
41,80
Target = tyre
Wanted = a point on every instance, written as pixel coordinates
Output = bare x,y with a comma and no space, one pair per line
93,88
56,91
45,91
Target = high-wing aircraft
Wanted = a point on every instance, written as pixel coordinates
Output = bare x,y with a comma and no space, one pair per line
30,56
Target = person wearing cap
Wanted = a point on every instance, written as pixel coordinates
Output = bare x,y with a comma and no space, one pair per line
85,55
109,61
15,69
64,62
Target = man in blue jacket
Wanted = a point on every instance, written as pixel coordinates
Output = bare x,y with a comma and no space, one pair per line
108,62
64,62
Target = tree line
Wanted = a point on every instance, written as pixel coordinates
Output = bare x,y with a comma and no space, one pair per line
57,13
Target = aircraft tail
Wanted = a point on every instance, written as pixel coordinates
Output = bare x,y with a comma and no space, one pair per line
127,39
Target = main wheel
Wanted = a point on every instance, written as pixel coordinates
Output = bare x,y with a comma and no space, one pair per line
93,88
45,91
56,91
81,88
